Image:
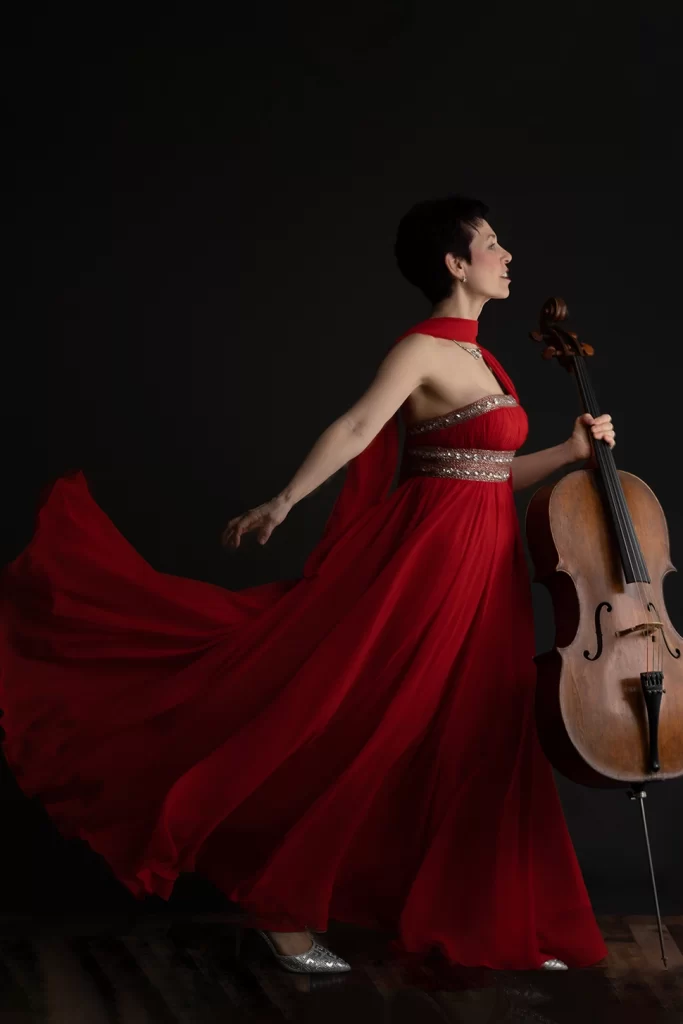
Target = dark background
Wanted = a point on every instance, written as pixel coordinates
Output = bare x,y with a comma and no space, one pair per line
206,213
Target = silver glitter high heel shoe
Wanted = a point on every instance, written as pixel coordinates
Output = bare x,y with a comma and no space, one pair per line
554,965
316,960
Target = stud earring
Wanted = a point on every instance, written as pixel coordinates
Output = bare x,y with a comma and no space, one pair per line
464,280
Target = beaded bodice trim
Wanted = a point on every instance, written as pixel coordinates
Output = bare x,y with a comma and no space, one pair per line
466,412
460,463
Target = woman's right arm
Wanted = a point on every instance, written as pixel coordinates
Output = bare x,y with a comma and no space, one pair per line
403,369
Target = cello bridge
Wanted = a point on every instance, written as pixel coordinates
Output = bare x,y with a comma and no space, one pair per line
648,628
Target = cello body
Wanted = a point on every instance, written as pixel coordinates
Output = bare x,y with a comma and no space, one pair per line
591,711
609,695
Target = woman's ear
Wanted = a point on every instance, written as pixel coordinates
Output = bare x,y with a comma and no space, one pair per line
455,264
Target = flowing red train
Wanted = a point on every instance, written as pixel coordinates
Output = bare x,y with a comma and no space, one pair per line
357,744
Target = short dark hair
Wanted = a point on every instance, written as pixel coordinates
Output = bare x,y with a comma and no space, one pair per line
430,230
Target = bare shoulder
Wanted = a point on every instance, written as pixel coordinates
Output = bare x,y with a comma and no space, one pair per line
417,340
412,357
418,347
436,356
427,343
450,378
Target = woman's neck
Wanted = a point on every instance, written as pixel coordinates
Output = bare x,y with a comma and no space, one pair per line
467,307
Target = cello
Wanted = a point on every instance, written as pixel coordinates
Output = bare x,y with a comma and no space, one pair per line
609,695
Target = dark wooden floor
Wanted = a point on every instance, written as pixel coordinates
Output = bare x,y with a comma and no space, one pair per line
181,970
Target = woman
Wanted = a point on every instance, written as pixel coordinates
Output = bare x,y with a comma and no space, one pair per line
356,744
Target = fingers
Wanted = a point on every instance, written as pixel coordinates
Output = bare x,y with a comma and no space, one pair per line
262,518
601,427
604,432
227,538
232,538
240,525
603,418
231,527
231,533
227,532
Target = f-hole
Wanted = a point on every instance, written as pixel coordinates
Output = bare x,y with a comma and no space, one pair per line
598,631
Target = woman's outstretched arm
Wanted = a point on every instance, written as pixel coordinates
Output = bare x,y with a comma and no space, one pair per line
401,371
405,367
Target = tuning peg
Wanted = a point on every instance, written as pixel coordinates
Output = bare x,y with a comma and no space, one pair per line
549,352
536,336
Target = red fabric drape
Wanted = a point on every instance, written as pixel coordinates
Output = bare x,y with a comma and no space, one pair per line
359,746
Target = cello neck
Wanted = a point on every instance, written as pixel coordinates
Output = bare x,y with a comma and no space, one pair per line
633,563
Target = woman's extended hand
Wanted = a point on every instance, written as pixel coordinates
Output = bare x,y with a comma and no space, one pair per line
579,443
263,518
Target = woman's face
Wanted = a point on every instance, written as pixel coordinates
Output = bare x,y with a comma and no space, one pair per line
488,268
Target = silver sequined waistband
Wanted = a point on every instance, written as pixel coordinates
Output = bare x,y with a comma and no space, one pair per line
461,463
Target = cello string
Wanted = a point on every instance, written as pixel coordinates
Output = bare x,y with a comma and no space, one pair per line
613,484
612,479
621,507
644,589
610,475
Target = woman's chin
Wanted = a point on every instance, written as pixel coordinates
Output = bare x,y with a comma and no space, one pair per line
503,292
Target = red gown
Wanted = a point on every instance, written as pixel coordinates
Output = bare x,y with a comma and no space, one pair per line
357,744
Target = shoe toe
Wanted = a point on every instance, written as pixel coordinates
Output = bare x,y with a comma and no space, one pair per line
554,965
316,960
